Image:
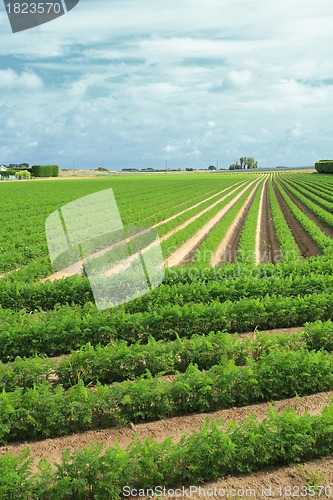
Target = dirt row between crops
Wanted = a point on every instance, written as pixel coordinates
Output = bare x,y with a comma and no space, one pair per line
272,482
207,193
77,267
325,229
259,224
226,250
269,248
186,251
306,245
52,449
199,203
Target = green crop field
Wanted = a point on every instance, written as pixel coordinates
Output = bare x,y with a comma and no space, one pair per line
244,253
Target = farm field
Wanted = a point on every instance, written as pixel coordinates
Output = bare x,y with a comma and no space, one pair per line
222,376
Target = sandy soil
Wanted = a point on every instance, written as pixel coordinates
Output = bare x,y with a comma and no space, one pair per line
182,253
259,222
199,214
226,251
196,205
305,244
273,482
77,267
268,244
52,449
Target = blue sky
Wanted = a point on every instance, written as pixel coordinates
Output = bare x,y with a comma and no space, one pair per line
132,84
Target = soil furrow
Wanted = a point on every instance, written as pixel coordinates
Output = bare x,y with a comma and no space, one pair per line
77,267
259,223
306,192
227,248
269,248
195,205
311,479
306,245
52,449
196,216
325,229
181,255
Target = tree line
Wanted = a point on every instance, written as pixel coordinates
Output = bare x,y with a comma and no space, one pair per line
245,162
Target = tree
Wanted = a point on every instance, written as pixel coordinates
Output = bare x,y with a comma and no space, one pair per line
234,166
250,163
23,174
242,161
211,167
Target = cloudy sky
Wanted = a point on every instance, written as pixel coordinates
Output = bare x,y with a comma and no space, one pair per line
118,83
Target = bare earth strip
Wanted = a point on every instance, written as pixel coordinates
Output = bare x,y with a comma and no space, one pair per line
259,223
282,482
306,245
325,229
180,255
77,267
207,193
52,449
197,204
268,244
226,249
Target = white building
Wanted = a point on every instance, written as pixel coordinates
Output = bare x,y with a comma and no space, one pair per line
3,168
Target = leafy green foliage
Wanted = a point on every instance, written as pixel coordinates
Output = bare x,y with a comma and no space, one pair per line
250,445
44,411
324,166
288,247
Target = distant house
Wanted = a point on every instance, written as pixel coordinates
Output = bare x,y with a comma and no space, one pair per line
3,168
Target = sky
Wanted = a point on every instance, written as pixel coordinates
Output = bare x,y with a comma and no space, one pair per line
124,84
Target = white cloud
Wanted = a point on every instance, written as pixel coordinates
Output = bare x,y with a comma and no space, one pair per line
27,80
238,79
117,85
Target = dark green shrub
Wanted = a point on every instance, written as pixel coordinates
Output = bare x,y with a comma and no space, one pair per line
45,170
324,166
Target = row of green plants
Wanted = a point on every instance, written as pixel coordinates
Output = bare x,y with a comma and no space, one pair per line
205,251
168,226
241,280
315,192
30,273
233,289
247,242
240,447
119,361
176,240
167,203
44,411
135,198
288,247
68,328
323,242
325,217
188,274
180,286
